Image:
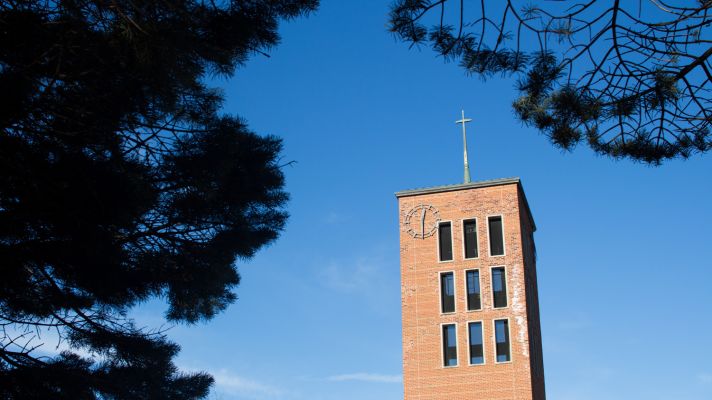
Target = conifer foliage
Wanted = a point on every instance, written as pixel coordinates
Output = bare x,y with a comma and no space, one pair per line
120,182
630,78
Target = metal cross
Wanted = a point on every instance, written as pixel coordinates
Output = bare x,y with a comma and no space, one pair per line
463,121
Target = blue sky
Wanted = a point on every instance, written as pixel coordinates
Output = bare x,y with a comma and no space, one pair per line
625,260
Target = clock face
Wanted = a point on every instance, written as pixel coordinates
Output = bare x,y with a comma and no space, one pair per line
422,221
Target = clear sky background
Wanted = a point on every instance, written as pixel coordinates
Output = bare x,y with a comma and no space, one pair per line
625,259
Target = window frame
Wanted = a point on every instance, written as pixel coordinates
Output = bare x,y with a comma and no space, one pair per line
477,238
484,347
494,340
506,286
489,240
454,292
452,242
442,346
479,281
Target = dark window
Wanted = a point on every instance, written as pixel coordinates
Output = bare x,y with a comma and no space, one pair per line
477,354
445,236
447,292
449,346
473,290
495,236
501,332
499,287
470,229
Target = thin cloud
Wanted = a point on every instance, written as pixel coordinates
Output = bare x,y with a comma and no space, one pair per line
333,218
352,278
369,278
363,275
367,377
705,377
234,384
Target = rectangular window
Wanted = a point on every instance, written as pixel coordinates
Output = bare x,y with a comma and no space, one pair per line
477,353
447,292
445,238
495,236
469,228
449,346
473,290
499,287
501,333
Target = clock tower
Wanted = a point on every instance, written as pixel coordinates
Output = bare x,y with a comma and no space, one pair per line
470,307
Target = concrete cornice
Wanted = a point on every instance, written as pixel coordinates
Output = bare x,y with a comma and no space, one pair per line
459,186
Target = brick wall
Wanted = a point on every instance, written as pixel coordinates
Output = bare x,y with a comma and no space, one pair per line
424,375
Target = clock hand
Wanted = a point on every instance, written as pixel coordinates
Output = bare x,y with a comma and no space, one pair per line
422,223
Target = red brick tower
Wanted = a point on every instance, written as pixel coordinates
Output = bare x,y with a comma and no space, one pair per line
469,293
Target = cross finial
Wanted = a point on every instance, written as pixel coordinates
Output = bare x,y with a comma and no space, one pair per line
463,121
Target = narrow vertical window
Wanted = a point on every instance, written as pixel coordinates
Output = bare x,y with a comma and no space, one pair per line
477,353
501,333
499,287
473,290
445,238
449,346
495,236
447,292
469,228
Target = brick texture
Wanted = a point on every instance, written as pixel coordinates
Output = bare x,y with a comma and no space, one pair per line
424,375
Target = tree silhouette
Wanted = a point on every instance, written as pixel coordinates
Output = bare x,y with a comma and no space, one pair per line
122,182
632,79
